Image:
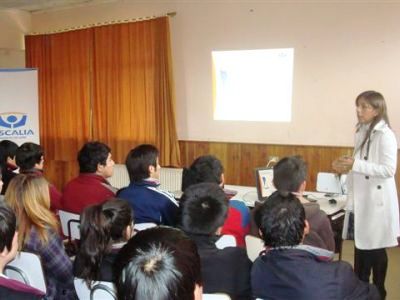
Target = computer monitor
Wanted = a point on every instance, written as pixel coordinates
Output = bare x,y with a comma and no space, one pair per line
264,182
331,183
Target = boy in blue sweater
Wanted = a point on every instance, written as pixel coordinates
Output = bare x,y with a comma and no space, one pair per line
149,203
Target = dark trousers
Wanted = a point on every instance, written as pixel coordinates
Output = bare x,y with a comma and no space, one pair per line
376,261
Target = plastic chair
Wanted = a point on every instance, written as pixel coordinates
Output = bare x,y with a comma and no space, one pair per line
27,268
100,290
226,240
216,296
143,226
254,246
70,224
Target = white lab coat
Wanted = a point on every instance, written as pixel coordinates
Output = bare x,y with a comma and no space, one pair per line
372,193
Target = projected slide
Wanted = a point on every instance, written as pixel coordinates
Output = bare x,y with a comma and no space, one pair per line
253,85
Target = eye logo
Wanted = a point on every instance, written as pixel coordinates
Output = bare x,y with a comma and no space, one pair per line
13,120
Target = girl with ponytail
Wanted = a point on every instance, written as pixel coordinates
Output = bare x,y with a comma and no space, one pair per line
105,228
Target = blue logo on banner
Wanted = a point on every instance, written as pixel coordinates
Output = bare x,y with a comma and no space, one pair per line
11,123
13,120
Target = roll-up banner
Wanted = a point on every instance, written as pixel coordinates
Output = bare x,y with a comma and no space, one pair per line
19,106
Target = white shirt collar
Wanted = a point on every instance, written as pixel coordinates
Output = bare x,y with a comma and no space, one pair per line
381,125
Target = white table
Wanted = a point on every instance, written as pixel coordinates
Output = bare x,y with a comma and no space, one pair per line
248,194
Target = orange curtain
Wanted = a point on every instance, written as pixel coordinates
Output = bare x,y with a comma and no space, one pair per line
63,62
133,96
110,83
64,69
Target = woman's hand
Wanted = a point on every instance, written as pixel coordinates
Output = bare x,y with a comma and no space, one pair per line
343,164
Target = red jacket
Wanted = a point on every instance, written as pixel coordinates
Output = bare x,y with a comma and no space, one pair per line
237,222
84,190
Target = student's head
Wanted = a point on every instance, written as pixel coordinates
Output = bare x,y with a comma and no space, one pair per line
142,162
290,174
95,157
371,108
204,209
8,236
281,220
29,156
159,263
28,195
101,226
206,168
7,153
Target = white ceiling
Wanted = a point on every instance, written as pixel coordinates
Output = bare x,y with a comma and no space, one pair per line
43,5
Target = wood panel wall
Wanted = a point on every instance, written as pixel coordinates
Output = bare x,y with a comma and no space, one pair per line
240,159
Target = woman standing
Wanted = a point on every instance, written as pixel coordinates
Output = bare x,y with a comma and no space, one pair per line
372,194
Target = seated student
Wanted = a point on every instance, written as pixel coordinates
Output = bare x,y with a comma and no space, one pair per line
290,175
104,228
29,158
290,270
91,186
7,162
150,204
28,196
208,168
159,263
9,288
204,210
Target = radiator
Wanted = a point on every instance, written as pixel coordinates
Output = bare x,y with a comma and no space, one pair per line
170,178
120,176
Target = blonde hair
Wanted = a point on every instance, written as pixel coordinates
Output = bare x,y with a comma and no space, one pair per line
28,195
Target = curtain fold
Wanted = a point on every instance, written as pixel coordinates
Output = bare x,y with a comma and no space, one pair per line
167,136
133,96
64,69
110,83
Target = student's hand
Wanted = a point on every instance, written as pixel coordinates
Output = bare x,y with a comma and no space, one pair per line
343,164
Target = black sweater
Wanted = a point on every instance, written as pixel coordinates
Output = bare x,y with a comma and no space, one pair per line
224,270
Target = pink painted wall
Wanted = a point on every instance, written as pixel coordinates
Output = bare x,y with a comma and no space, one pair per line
341,49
